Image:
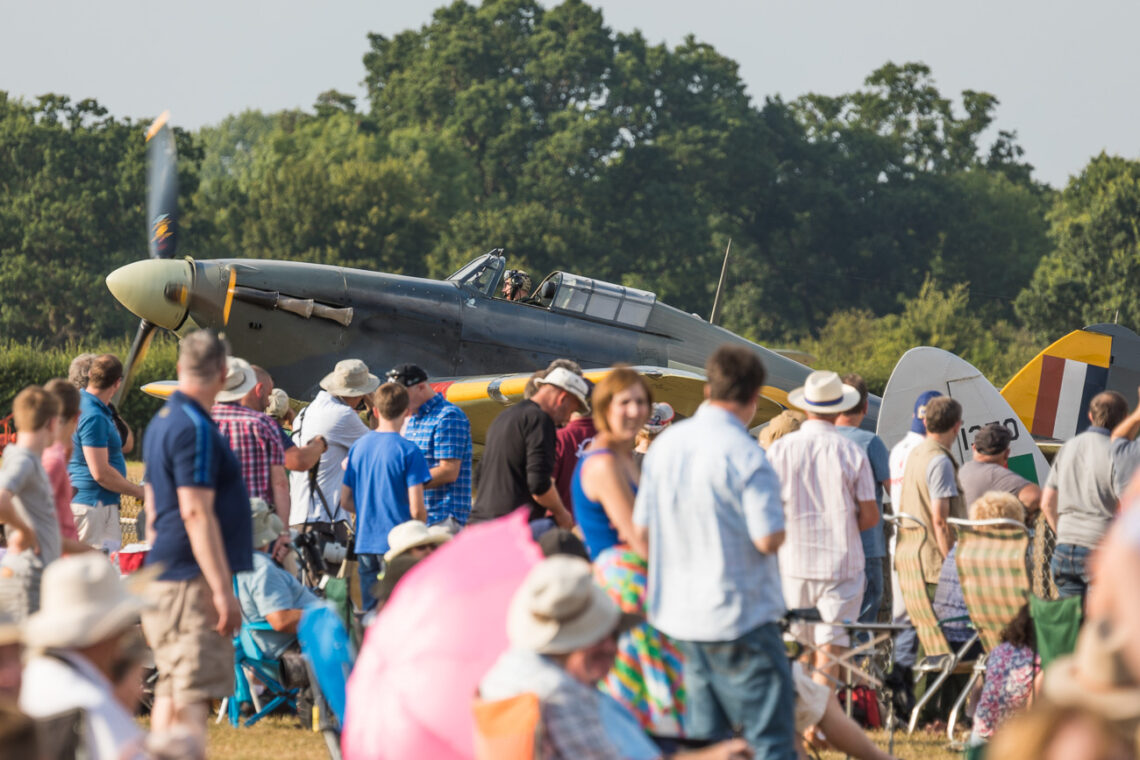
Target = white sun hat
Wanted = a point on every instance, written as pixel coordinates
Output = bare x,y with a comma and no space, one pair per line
824,393
240,380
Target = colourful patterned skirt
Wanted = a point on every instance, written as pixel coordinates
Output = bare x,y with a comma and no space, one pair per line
647,674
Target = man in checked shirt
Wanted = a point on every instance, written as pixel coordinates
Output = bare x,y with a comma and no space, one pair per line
254,438
443,434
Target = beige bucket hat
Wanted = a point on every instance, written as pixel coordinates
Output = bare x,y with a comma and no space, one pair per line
413,533
559,608
1095,676
572,383
240,380
83,602
350,377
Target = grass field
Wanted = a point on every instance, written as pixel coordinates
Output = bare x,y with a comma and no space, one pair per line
275,738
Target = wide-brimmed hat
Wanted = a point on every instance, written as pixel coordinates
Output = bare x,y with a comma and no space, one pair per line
413,533
1095,676
83,601
267,526
240,380
559,608
824,393
350,377
660,418
572,383
787,421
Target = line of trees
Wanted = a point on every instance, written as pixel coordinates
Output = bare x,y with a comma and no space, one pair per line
579,147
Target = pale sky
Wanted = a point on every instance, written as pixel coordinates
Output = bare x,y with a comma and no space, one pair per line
1064,72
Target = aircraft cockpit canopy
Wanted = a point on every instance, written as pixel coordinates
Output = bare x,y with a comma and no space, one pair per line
575,294
483,273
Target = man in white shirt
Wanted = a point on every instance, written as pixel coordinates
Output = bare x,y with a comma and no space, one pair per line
85,612
829,497
315,496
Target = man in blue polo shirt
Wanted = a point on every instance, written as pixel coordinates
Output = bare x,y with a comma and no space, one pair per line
443,434
97,469
198,505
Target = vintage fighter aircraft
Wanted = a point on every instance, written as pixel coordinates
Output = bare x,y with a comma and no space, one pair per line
297,320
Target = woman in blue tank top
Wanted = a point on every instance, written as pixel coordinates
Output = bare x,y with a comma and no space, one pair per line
605,480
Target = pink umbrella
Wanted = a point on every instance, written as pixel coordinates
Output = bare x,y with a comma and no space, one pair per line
411,690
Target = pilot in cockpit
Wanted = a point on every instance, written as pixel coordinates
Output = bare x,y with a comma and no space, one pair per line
516,285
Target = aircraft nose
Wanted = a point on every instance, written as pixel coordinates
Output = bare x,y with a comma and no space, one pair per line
156,290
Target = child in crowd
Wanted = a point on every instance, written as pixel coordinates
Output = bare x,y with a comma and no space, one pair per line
1010,670
55,459
383,484
27,508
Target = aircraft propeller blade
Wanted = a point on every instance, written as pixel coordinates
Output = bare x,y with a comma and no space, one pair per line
139,347
162,188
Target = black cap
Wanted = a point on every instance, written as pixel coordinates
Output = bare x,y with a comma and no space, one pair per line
992,439
562,541
407,375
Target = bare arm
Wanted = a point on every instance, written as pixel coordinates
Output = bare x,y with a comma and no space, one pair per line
603,482
106,475
553,502
1129,426
196,505
279,486
284,621
769,544
416,503
1049,507
347,501
867,515
11,517
148,509
939,515
447,471
302,458
1030,497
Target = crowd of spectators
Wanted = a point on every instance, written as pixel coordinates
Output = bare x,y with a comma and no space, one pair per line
656,627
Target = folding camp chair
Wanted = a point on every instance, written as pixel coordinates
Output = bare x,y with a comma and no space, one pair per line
249,659
1056,624
995,584
939,656
329,657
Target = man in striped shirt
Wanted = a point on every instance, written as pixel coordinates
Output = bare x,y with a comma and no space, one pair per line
829,497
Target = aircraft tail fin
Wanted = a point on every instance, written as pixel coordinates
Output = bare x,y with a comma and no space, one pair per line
1051,394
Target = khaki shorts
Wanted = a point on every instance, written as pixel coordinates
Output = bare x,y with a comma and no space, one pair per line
811,699
835,600
194,662
98,526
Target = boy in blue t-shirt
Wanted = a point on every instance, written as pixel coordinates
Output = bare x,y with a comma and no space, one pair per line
384,481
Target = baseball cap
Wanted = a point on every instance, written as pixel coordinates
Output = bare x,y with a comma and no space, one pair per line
918,424
660,418
993,438
572,383
407,375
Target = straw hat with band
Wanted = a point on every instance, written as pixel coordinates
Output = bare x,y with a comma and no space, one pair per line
350,377
572,383
411,534
559,608
83,602
824,393
240,380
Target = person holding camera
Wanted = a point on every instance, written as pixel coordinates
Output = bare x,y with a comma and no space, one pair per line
383,484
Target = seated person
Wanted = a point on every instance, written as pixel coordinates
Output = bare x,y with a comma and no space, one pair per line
516,285
268,593
948,599
562,628
1010,672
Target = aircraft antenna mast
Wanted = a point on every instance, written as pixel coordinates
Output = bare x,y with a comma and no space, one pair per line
720,285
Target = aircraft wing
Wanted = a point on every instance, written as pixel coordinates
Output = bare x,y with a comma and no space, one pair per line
483,397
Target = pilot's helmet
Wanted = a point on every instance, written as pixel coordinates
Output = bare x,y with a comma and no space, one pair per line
517,280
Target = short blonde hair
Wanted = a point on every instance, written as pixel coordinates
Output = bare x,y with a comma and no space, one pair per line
997,505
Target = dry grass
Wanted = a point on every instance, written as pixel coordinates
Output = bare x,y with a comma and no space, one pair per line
271,738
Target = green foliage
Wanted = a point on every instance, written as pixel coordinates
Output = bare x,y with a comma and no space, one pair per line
858,341
1093,272
24,364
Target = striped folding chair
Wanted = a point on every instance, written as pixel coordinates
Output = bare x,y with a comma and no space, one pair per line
938,655
995,583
